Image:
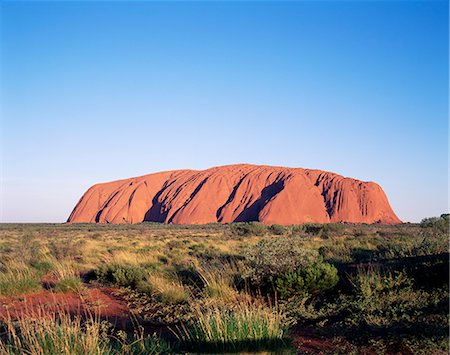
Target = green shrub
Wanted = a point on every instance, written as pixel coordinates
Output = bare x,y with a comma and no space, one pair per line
248,229
69,284
313,279
123,275
163,259
292,284
325,231
271,258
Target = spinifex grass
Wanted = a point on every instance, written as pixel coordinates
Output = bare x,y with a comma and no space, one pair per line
168,289
246,326
18,278
42,333
219,282
69,284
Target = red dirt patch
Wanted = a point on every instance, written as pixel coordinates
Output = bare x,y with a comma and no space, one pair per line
98,302
311,341
308,343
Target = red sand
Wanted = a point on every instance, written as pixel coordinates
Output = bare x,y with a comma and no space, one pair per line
98,302
236,193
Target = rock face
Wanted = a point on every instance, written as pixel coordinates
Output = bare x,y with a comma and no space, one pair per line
235,193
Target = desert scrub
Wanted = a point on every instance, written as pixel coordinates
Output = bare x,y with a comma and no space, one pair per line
383,299
410,316
63,249
389,304
313,279
277,229
133,256
429,244
17,278
248,228
437,225
152,311
248,325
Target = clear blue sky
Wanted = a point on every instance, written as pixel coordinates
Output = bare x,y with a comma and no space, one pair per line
97,91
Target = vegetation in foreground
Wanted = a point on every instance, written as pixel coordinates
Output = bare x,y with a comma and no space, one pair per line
243,287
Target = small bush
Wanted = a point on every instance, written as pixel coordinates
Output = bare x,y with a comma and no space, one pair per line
65,269
121,274
313,279
269,259
189,276
431,245
141,344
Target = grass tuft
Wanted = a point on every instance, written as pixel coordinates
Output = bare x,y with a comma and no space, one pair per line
18,278
168,290
44,333
248,325
69,284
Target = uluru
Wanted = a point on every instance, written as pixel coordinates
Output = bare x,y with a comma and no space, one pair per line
235,193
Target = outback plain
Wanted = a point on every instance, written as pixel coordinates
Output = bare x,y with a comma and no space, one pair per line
224,177
151,288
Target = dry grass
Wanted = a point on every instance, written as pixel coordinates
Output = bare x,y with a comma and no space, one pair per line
168,288
131,257
64,269
193,272
43,334
17,278
249,322
219,282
